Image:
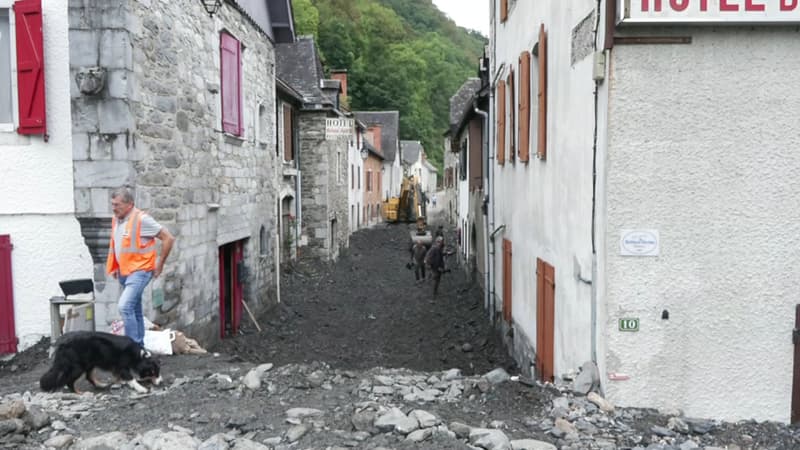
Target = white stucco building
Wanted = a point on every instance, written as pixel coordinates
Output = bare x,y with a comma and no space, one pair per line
37,208
644,199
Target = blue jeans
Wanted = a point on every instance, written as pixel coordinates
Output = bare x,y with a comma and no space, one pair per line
130,304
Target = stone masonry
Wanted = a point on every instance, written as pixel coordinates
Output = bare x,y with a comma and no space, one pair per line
324,185
155,124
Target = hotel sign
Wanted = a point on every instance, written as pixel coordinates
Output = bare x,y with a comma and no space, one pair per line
339,128
709,11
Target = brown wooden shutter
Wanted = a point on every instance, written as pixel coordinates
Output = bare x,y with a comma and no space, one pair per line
512,116
288,145
501,122
524,106
503,10
542,129
507,285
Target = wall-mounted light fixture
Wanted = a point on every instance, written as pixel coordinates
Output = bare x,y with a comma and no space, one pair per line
211,6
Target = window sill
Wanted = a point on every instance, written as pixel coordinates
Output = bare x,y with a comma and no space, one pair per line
233,139
10,137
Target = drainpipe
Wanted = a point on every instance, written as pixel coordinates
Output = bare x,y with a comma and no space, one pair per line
486,199
491,213
485,207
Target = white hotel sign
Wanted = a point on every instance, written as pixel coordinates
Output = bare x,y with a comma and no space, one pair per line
709,11
339,128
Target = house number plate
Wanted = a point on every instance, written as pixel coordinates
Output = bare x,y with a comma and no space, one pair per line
629,324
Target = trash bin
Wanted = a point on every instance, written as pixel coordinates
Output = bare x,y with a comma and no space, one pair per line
79,315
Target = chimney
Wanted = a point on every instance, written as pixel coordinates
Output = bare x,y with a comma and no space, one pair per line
341,75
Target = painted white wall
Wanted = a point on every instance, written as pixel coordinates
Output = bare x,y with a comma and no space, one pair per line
37,207
393,177
546,206
462,196
703,147
354,192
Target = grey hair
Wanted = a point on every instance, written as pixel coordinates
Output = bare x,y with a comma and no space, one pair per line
124,193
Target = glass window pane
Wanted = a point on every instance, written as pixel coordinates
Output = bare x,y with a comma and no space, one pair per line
5,68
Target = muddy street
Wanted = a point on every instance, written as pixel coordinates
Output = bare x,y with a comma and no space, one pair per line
367,311
355,356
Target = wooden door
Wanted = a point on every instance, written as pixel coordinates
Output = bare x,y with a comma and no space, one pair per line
231,273
545,319
8,337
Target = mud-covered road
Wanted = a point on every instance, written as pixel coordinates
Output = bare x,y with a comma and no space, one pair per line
355,356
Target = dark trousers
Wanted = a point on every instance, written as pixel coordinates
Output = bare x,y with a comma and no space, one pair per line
437,277
419,271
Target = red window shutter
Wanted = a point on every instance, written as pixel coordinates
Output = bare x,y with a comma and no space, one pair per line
524,105
30,67
230,90
501,122
542,129
512,117
503,10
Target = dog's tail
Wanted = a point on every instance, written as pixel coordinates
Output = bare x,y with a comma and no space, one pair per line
53,379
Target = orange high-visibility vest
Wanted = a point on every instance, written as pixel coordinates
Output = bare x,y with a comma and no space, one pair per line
133,255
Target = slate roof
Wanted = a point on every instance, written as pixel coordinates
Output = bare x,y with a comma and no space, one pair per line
298,64
463,99
411,151
372,149
390,128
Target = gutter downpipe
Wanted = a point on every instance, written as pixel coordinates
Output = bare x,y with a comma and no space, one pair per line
485,208
490,237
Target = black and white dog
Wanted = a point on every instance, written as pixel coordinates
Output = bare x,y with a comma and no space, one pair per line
81,352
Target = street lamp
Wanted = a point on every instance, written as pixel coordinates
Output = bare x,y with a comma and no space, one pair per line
211,6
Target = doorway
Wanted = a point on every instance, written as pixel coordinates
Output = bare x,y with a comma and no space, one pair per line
231,275
545,319
8,336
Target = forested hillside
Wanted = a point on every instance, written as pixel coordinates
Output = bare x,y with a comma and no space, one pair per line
400,54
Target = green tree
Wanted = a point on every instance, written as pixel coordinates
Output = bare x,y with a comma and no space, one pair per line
306,18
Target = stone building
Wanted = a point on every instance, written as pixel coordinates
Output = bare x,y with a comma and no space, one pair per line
290,194
181,107
324,221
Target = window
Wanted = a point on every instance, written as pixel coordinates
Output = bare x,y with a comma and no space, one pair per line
369,181
475,154
359,177
230,86
288,134
6,100
507,284
262,241
339,167
463,161
352,177
22,67
262,124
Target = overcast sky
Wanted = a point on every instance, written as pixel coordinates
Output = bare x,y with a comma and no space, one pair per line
472,14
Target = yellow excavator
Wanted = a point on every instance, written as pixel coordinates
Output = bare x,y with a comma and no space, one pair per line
410,206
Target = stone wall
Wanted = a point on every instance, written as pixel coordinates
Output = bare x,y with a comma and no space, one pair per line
325,218
156,126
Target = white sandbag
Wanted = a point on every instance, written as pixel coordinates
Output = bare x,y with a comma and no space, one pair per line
159,342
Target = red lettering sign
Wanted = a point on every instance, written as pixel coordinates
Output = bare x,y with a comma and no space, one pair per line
788,5
679,5
750,6
725,6
646,5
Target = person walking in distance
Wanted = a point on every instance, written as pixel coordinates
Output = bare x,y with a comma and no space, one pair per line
435,259
418,251
133,258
